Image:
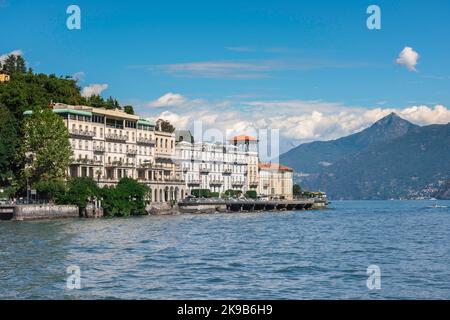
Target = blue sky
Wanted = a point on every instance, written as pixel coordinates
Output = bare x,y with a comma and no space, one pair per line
243,56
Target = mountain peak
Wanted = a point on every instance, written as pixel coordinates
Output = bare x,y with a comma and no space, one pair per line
393,120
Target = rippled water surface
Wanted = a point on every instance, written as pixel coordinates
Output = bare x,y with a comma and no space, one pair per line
271,255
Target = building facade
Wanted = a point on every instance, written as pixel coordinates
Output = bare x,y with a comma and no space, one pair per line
275,181
215,166
109,145
4,77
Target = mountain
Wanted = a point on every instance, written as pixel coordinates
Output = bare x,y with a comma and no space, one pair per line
391,159
314,157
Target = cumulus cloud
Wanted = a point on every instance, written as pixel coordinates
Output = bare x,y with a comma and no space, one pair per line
409,58
168,100
14,52
297,121
93,89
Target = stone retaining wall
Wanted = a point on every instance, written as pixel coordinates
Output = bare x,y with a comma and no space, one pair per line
44,211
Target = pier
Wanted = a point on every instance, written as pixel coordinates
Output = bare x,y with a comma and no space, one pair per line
211,206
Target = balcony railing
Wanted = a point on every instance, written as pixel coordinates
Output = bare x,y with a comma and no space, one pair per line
194,182
204,170
82,133
142,140
99,149
87,161
132,152
237,183
116,137
216,182
227,171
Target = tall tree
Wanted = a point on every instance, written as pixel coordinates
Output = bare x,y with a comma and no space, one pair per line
8,144
14,64
166,126
45,148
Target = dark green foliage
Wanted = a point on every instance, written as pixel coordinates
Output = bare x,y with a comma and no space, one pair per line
126,199
45,148
80,191
251,194
214,195
14,64
166,126
8,145
199,193
128,109
296,190
51,189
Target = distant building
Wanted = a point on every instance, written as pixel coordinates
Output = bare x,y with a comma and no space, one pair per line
183,135
275,181
214,166
217,166
249,146
4,77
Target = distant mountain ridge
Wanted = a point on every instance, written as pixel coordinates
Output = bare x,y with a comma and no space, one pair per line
391,159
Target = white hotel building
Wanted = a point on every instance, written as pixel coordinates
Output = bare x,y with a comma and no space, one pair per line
219,167
108,145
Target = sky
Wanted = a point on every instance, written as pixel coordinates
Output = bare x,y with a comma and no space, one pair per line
311,69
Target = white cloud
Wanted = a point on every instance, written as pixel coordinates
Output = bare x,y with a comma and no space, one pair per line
409,58
168,100
78,76
93,89
247,68
298,121
14,52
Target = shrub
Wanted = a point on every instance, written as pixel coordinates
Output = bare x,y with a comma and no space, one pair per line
251,194
126,199
206,193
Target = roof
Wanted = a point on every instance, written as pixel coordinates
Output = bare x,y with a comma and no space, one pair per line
243,138
146,122
59,111
274,166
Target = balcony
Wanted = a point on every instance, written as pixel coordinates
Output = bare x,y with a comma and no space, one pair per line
99,149
194,182
254,183
82,133
116,137
119,164
216,182
204,170
146,141
237,183
87,161
132,152
227,171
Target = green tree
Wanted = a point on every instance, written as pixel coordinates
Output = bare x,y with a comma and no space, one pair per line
45,149
126,199
14,64
80,191
51,189
128,109
112,103
166,126
251,194
8,144
205,193
296,190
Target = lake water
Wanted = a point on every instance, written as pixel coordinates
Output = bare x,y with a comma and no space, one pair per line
271,255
